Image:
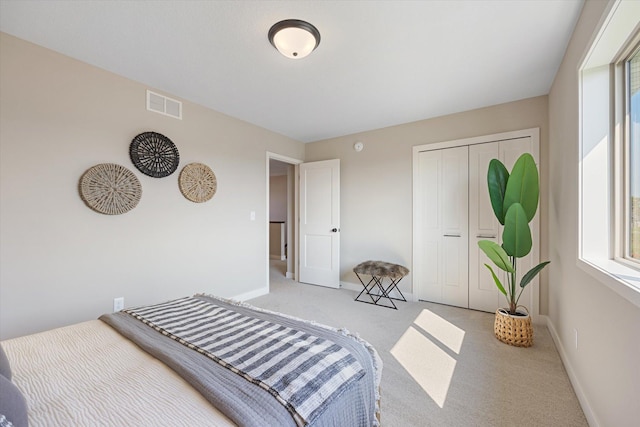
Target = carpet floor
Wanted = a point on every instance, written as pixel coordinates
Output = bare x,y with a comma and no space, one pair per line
442,364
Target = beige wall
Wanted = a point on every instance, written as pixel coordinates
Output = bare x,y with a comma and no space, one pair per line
376,183
277,212
278,198
60,261
277,240
604,368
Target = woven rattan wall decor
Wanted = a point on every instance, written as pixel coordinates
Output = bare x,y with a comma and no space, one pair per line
154,154
197,182
110,189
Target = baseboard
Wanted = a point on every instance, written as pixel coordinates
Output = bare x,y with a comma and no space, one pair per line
540,319
575,382
350,286
251,294
357,287
289,275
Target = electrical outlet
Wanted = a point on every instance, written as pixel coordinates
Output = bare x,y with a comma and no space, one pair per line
118,304
576,337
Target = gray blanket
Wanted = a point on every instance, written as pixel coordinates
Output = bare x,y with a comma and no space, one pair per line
245,402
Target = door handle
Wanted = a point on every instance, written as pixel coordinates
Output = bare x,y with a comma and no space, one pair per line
335,230
486,236
451,235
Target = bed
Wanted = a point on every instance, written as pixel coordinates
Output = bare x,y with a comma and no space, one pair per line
197,360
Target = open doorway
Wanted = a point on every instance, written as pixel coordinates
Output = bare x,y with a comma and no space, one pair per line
281,216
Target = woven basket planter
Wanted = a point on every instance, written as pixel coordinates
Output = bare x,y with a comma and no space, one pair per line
513,330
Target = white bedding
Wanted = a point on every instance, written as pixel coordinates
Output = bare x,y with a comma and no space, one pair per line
88,374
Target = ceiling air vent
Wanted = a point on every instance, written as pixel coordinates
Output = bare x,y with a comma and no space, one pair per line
163,105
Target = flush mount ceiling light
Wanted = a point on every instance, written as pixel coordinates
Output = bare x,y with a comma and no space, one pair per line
294,38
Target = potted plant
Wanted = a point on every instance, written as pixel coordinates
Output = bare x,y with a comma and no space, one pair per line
514,199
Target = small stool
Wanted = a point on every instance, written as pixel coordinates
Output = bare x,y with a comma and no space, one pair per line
378,270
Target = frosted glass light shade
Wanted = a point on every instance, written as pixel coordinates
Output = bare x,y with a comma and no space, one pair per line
293,38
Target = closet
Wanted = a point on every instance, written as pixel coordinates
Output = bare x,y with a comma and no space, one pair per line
452,212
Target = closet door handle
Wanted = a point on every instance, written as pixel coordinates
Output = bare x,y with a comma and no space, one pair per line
486,236
451,235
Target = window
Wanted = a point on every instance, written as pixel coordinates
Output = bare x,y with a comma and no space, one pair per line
609,189
633,141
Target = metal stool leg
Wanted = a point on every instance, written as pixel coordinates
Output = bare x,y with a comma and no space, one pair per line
375,297
369,287
394,285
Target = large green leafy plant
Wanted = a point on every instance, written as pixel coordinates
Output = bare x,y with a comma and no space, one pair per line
514,199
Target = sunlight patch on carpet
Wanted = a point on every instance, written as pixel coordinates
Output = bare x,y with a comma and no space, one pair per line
428,364
441,329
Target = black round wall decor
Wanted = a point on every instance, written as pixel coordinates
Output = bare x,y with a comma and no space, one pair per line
154,154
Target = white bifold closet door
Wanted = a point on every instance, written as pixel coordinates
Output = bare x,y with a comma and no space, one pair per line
445,226
454,214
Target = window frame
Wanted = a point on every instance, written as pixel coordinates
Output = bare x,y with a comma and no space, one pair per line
623,142
602,121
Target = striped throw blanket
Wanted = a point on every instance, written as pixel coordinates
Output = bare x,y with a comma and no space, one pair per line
300,370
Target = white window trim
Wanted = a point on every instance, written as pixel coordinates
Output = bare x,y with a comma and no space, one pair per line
622,253
596,258
616,276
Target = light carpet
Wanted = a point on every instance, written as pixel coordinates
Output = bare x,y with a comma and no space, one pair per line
442,364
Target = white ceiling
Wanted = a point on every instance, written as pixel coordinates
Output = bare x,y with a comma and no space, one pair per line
379,63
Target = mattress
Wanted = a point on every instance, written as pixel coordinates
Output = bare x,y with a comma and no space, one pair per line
91,375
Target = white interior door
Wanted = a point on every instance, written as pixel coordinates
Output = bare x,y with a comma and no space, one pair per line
320,223
483,225
443,185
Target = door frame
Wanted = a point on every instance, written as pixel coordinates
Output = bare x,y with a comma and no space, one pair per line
292,237
533,133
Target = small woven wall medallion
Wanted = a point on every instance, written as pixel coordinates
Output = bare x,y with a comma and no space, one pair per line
197,182
110,189
154,154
